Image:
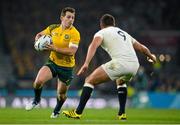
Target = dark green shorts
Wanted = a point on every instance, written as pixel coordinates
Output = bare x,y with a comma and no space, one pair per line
65,74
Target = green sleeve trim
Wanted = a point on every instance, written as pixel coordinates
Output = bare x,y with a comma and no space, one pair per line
53,26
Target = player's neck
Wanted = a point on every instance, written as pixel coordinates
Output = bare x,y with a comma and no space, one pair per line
102,27
64,27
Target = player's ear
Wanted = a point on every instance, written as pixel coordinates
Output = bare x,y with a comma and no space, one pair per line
101,25
61,18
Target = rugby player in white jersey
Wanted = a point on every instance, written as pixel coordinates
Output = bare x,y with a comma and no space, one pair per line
123,66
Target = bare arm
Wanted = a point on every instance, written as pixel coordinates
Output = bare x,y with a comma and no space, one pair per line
66,51
38,35
96,42
143,49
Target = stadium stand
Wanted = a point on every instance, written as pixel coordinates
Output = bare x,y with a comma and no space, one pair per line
21,20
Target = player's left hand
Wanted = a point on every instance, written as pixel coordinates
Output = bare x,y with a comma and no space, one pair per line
83,69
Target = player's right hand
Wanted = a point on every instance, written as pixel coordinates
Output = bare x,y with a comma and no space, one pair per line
153,58
83,69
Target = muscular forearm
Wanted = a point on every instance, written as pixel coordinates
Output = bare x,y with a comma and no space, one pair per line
90,54
96,42
145,51
65,51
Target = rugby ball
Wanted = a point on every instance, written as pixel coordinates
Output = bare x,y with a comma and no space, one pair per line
41,43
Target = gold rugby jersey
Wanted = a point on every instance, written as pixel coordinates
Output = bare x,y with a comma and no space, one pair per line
62,39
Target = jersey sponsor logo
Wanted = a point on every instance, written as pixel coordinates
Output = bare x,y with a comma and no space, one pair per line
66,37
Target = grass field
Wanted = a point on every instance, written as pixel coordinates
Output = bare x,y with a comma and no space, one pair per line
91,116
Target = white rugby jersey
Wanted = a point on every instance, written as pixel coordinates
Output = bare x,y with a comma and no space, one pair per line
117,43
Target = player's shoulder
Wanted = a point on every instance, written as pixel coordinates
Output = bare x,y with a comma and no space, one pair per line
105,30
123,31
53,26
74,30
109,29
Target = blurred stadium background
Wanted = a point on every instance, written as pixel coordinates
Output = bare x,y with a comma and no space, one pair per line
154,23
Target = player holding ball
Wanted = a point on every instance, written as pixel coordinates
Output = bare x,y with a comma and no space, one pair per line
61,61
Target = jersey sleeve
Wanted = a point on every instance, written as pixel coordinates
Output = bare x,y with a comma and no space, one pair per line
75,39
98,34
47,31
133,40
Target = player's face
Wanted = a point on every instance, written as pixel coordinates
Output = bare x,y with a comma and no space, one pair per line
68,19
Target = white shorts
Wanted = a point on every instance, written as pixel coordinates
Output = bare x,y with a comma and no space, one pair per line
117,69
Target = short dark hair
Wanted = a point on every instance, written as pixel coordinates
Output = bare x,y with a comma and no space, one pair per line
107,20
67,9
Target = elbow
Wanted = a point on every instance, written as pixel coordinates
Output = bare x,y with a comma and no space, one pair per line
71,53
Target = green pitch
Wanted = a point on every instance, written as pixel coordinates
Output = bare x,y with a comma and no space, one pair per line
91,116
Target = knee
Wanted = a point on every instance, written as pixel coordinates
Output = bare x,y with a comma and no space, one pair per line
91,80
120,82
88,80
62,96
38,83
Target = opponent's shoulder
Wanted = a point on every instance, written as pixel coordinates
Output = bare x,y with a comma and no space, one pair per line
53,26
105,30
101,32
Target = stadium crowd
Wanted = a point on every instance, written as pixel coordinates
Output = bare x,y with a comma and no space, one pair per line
21,20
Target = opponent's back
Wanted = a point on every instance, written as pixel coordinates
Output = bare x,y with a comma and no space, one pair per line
118,43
